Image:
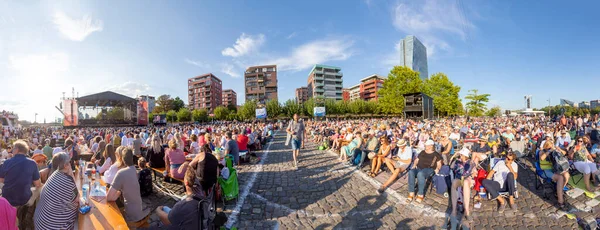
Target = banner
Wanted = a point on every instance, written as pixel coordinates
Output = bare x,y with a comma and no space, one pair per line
319,111
160,119
261,113
70,112
142,112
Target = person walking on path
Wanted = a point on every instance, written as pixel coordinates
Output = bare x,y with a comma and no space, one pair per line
296,130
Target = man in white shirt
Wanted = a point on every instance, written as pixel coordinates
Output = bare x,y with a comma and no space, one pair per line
564,140
502,178
455,135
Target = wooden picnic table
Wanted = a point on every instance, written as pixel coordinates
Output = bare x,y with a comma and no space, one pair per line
103,214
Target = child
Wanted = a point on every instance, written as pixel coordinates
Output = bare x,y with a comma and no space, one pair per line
144,178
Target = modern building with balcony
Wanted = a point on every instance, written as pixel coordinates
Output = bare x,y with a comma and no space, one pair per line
301,94
369,86
346,94
204,92
229,97
413,54
325,81
594,104
261,83
354,92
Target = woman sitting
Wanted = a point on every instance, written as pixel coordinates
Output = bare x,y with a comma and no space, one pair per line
348,150
463,169
110,174
378,159
108,156
156,153
175,161
57,207
561,179
583,162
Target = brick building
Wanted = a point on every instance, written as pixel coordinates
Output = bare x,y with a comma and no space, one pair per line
260,83
204,92
229,97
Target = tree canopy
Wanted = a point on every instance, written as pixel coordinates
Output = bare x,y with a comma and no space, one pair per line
477,102
494,112
444,93
401,80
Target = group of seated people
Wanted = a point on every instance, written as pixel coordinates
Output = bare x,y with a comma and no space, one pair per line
424,151
55,197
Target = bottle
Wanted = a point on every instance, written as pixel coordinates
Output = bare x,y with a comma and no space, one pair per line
482,193
93,172
85,189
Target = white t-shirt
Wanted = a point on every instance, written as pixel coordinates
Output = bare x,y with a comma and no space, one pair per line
501,171
406,154
194,147
454,136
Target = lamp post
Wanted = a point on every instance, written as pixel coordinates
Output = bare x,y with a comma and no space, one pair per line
35,119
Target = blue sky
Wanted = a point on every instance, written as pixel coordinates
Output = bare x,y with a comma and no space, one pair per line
505,48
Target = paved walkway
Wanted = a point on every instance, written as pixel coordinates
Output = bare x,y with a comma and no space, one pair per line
324,194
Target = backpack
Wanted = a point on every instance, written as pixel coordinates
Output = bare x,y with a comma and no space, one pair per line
206,211
560,163
442,180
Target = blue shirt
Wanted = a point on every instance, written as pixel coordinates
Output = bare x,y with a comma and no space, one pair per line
19,173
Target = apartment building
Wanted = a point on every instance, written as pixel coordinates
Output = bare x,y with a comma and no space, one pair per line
354,92
229,97
261,83
301,94
205,92
325,81
369,86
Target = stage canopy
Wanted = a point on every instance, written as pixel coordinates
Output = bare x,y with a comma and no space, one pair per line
107,98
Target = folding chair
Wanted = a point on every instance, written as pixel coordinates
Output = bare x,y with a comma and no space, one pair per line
573,171
543,179
229,186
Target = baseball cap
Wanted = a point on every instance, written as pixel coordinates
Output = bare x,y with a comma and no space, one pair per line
429,142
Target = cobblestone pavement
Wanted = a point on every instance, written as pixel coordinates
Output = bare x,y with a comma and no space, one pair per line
325,194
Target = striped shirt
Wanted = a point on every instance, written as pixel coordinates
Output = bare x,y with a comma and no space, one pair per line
57,206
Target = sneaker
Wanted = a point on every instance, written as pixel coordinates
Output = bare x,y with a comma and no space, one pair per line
501,208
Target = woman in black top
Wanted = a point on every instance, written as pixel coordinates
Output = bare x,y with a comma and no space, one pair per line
156,153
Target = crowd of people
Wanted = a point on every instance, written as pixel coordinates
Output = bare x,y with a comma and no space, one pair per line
480,154
37,168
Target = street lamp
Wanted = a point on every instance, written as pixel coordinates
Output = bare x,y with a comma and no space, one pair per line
35,120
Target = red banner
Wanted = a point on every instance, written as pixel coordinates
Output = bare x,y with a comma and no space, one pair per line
142,112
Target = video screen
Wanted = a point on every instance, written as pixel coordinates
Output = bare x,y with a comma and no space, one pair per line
160,119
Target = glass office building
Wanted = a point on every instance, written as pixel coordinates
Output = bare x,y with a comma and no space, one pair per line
413,55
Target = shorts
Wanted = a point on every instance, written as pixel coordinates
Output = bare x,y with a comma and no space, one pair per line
400,165
548,173
296,144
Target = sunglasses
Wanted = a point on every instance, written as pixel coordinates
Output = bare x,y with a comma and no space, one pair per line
579,140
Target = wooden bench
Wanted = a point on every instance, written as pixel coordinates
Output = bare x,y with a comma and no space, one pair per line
161,172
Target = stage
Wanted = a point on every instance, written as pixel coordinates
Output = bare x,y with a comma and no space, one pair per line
105,109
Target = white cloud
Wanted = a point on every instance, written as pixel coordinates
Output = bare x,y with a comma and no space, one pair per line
197,63
433,22
315,52
244,45
292,35
230,70
76,29
131,89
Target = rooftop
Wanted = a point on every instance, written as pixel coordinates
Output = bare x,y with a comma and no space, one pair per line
324,66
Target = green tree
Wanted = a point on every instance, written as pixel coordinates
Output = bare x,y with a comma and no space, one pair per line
477,102
150,117
200,115
178,104
401,80
309,106
164,103
247,110
232,107
221,113
184,115
444,93
291,107
494,112
273,109
171,116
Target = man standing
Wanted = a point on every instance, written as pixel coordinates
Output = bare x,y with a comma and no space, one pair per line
296,129
231,147
17,174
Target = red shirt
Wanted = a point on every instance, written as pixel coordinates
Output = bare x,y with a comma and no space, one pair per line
242,142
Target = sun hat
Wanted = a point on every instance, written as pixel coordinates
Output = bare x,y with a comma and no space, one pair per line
401,143
429,142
